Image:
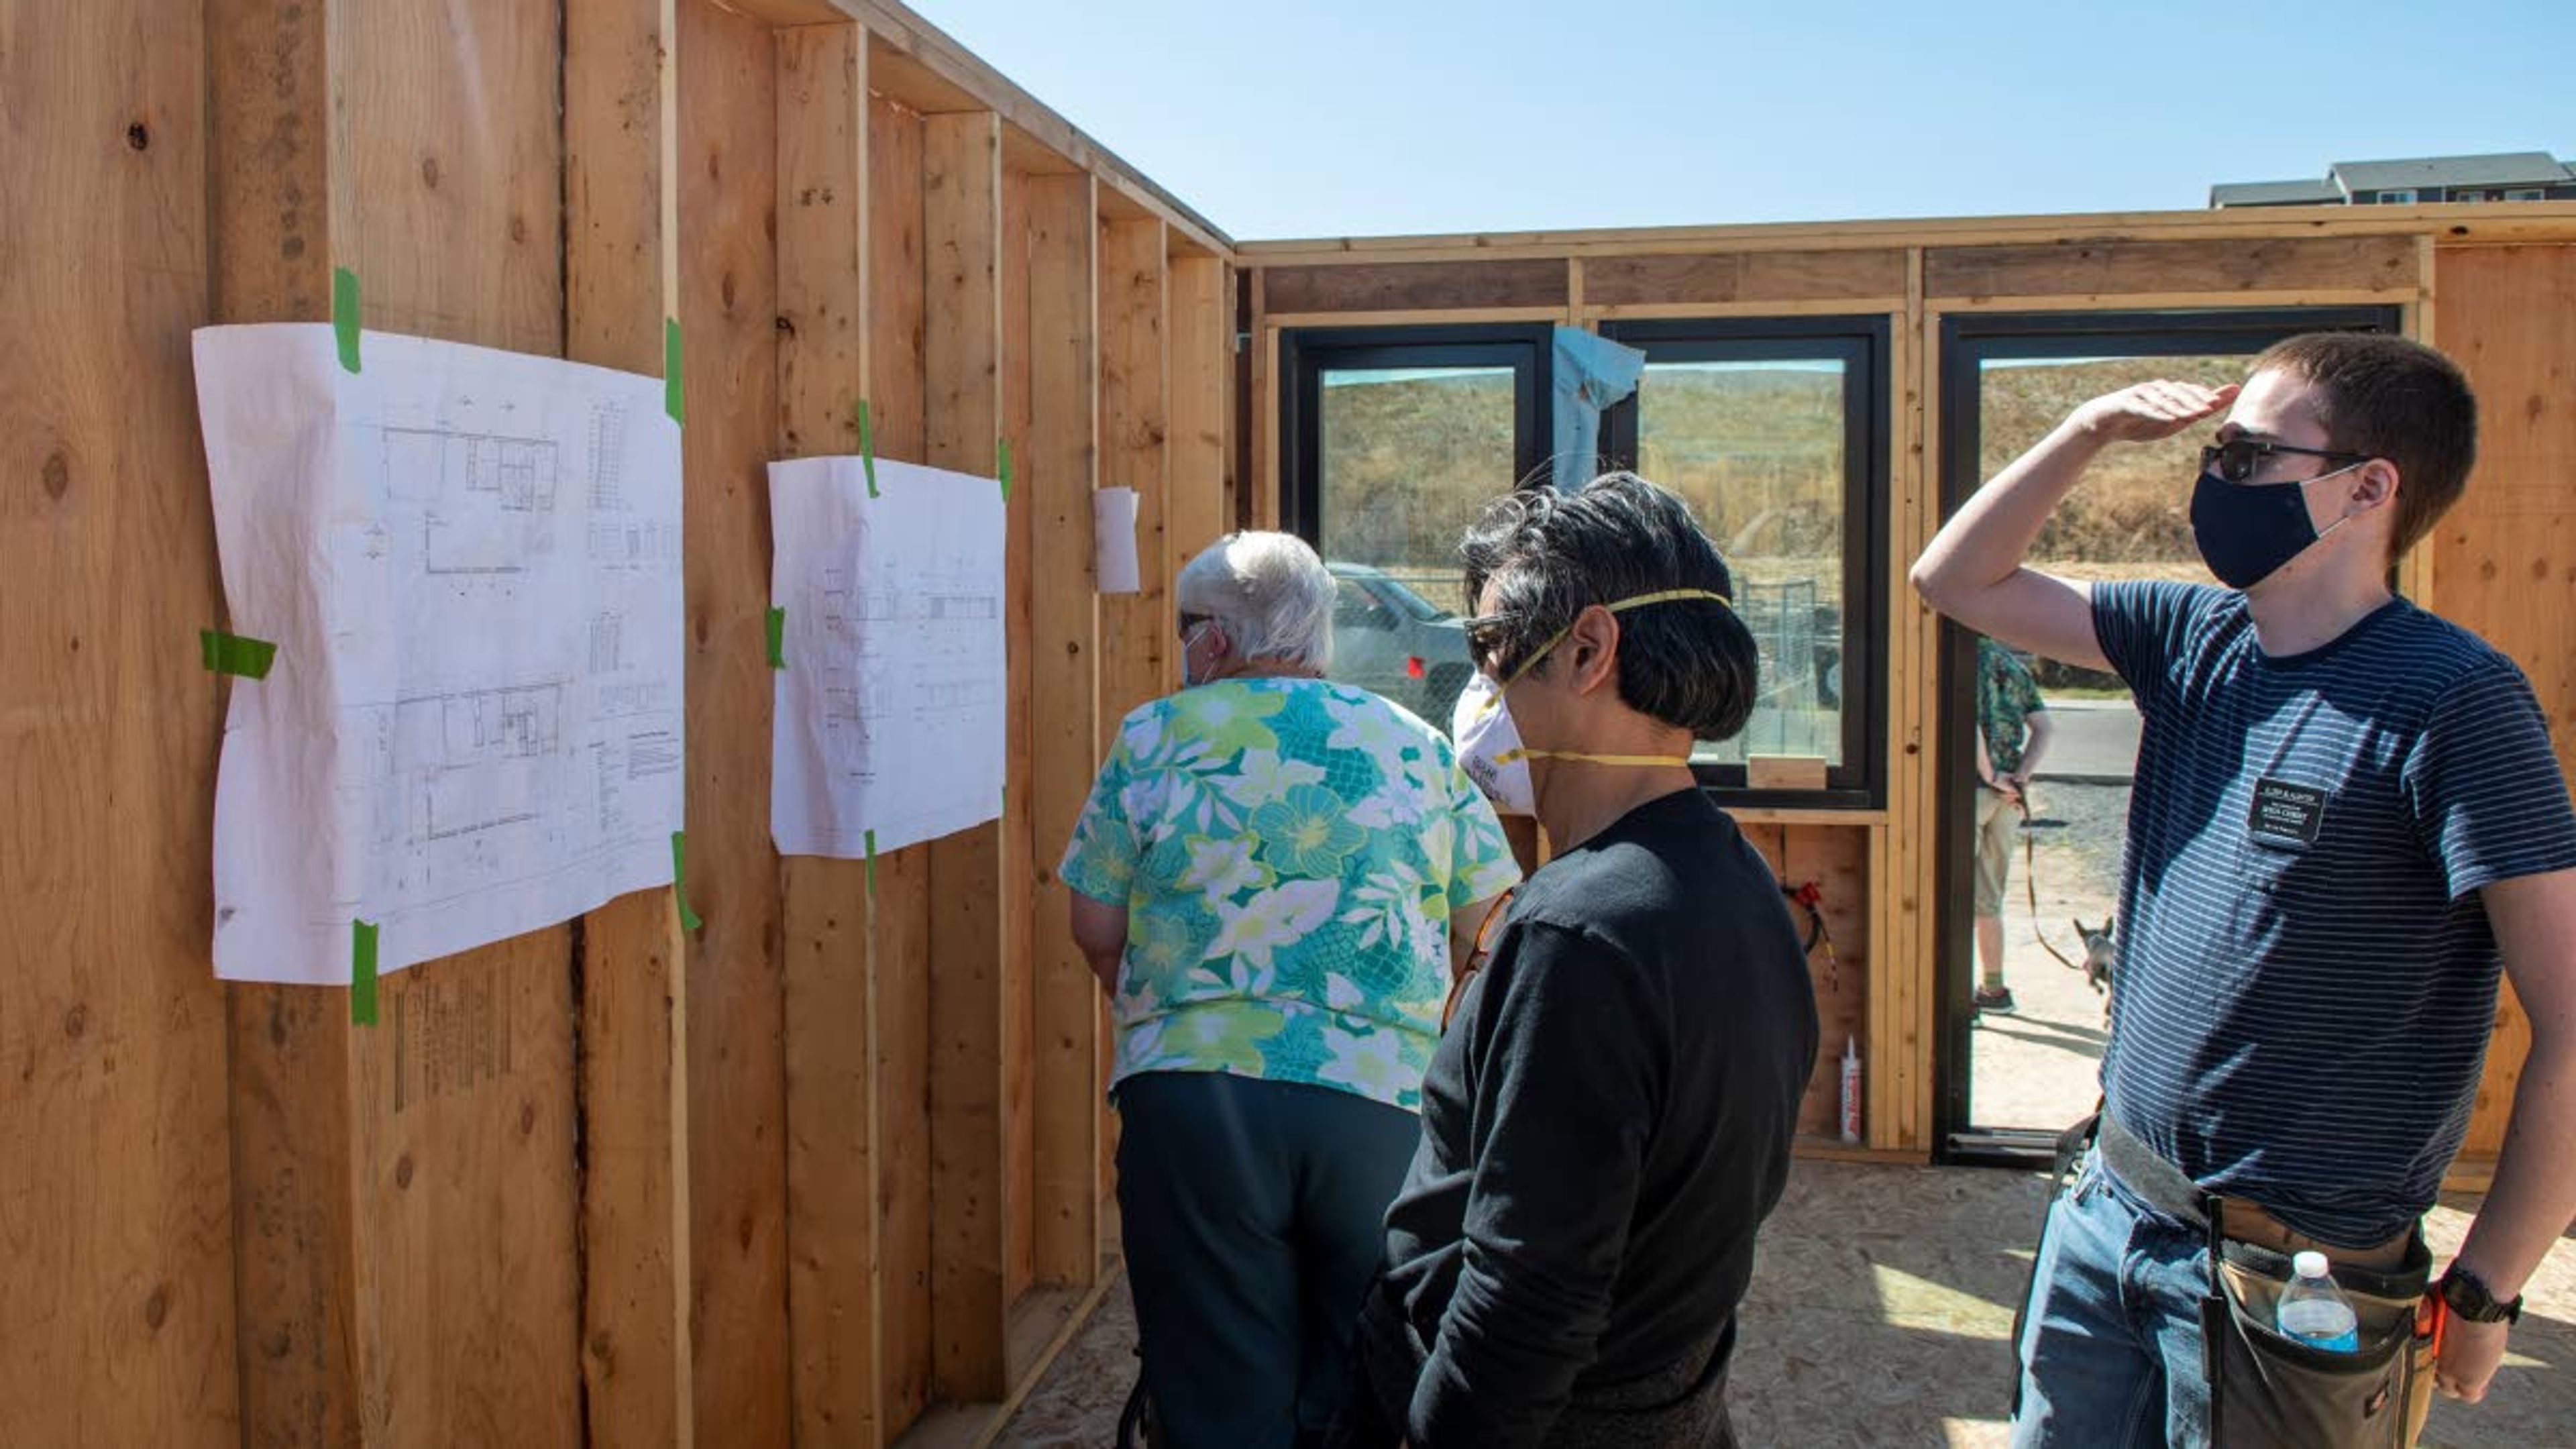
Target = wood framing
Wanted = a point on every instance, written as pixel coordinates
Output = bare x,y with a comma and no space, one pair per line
621,276
2504,558
727,182
119,1204
1202,391
1137,662
1916,273
1783,276
962,345
832,1041
1060,471
392,1217
1414,286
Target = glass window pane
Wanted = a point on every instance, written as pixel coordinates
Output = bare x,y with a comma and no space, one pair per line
1756,448
1408,456
2131,516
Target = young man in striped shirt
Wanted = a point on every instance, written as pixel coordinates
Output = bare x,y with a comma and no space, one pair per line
2347,814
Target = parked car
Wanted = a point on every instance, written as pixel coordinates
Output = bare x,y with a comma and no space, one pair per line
1391,641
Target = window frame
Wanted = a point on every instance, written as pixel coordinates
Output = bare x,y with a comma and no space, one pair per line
1967,341
1860,341
1307,353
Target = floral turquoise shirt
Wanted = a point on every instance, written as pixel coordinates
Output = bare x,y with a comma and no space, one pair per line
2006,699
1289,852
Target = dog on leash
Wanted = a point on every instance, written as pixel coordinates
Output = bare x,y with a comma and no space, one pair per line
2098,956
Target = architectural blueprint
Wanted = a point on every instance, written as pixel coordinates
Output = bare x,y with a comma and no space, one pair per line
892,702
470,563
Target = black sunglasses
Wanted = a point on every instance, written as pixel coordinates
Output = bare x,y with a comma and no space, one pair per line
2238,459
1484,636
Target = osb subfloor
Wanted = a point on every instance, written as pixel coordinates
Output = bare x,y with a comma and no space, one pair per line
1880,1314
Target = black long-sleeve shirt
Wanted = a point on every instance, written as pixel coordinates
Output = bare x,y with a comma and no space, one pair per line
1604,1126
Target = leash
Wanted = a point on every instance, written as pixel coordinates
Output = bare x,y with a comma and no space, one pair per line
2030,881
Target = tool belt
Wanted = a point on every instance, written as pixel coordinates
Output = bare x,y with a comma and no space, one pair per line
2267,1390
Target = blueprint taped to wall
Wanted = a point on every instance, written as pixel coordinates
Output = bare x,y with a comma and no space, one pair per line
891,704
469,561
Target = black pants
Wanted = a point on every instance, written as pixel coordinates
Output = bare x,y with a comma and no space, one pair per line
1253,1215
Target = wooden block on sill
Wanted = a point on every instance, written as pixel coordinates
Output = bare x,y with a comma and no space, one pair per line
1784,772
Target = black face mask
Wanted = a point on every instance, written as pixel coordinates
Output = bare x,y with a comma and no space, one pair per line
2247,531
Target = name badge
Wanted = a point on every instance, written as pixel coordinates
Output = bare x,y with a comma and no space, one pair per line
2285,812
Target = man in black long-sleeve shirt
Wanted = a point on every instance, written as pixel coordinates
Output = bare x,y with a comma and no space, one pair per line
1609,1115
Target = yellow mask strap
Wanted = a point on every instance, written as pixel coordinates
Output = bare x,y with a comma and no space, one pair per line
1507,756
1638,601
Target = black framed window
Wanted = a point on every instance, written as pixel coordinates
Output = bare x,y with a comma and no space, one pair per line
1392,439
2006,380
1775,430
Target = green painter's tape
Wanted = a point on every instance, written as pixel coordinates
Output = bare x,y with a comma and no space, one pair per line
867,448
671,367
362,973
344,315
872,863
233,654
1002,455
777,638
689,920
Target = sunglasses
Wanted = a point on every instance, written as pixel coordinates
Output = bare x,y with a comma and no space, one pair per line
1484,636
2238,459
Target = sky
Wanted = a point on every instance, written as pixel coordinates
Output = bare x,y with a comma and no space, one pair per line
1377,117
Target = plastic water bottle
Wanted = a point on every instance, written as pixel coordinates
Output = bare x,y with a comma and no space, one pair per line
2314,1311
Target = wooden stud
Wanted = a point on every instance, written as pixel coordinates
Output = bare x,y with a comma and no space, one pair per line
1138,654
962,342
899,913
728,152
1061,465
1202,385
828,977
897,28
1137,657
620,281
1022,857
118,1200
1265,493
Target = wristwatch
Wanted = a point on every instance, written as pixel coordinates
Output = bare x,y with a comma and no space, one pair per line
2466,1295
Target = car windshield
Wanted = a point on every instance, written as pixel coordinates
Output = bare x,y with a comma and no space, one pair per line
1409,601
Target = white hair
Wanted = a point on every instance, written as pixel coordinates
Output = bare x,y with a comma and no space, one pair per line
1270,593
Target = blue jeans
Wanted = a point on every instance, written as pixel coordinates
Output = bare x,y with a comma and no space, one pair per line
2111,1352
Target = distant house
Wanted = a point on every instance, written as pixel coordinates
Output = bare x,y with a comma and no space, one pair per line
2505,176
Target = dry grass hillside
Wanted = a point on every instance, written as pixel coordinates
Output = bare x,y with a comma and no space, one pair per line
1757,453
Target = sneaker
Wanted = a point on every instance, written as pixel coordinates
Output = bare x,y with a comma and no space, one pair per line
1993,998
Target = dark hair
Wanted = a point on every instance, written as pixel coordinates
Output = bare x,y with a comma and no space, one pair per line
1690,663
2394,399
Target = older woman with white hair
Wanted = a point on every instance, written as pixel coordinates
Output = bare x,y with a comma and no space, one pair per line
1275,878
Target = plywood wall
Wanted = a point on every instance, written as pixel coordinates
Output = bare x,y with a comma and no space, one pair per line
775,1179
2504,558
115,1177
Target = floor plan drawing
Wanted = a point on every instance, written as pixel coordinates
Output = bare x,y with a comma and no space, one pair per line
890,710
470,563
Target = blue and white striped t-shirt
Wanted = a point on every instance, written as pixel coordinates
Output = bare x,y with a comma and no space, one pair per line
2306,975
